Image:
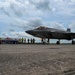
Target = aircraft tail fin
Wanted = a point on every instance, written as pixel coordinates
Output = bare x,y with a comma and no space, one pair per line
68,29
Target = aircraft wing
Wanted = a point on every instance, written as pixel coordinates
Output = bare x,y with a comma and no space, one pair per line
72,35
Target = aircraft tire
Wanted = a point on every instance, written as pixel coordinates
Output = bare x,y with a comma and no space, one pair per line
57,42
73,42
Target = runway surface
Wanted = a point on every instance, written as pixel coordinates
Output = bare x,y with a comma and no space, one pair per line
22,59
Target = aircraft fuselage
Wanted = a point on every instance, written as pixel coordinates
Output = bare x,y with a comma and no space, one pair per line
50,33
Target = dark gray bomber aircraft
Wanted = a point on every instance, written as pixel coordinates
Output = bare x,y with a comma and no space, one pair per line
51,33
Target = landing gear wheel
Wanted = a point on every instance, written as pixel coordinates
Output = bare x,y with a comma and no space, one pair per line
73,42
58,42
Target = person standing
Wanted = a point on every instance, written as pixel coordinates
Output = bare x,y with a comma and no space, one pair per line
28,40
33,40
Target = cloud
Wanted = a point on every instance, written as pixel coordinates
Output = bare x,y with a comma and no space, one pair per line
20,8
25,8
15,34
5,11
4,8
28,24
43,5
72,26
29,14
34,22
57,25
18,34
4,34
11,30
63,7
16,10
12,8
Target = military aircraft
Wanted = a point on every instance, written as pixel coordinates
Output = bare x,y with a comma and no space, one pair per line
51,33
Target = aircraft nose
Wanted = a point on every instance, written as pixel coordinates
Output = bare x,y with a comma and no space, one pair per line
29,31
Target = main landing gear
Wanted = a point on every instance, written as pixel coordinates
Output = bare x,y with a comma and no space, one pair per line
58,42
73,42
48,41
44,41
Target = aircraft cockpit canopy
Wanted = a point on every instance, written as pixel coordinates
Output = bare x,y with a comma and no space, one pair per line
41,27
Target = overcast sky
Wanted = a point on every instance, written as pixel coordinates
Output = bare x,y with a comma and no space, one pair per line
17,16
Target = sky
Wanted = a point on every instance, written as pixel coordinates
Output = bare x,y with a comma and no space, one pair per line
17,16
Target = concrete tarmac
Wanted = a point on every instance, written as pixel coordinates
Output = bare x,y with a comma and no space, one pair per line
37,59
